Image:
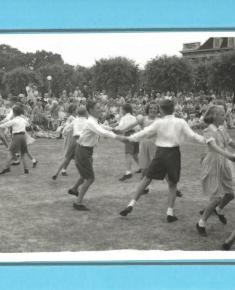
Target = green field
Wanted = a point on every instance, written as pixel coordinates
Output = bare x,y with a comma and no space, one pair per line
37,214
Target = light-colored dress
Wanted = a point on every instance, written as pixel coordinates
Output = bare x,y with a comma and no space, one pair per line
68,135
216,170
147,148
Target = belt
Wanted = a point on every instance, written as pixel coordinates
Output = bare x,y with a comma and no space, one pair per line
19,133
87,147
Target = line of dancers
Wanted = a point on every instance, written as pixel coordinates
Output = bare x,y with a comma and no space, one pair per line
159,158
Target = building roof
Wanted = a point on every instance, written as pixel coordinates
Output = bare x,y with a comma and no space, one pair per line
211,44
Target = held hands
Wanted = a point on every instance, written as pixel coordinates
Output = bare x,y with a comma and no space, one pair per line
232,157
116,131
125,139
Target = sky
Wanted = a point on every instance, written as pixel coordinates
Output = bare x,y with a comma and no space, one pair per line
85,48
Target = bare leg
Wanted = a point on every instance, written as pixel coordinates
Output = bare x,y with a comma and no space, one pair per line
139,191
85,186
136,159
141,187
171,202
172,194
229,241
225,200
210,208
63,165
78,183
11,157
30,156
4,139
128,163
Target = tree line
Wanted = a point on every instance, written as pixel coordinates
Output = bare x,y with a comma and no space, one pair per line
117,76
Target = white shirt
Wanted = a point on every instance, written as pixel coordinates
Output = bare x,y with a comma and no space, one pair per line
126,121
18,124
8,117
78,125
170,132
92,131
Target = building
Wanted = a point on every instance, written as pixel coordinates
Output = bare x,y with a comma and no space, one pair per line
205,53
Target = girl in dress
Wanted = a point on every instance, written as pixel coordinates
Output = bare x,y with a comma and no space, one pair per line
216,167
72,131
147,146
68,137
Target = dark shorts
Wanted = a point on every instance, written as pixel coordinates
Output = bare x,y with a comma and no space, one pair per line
18,144
166,163
70,153
131,147
84,161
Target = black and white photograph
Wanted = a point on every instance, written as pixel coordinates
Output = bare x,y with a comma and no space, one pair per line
117,141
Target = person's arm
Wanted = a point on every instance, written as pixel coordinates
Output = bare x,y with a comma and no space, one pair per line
212,145
8,117
99,130
68,127
189,133
125,124
148,131
231,144
107,127
7,124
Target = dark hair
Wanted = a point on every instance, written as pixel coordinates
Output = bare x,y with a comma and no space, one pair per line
90,105
13,99
72,108
127,108
18,110
209,115
148,107
167,106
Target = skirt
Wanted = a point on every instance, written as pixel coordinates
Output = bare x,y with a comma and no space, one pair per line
166,163
216,175
131,147
18,144
84,161
147,153
70,153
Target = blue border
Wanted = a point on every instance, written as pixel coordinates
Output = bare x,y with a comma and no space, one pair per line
117,15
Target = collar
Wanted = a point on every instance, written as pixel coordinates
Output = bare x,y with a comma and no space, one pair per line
169,116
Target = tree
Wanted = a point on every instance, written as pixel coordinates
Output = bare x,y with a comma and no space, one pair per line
17,79
60,77
115,75
2,87
222,73
168,74
43,58
82,76
10,57
201,77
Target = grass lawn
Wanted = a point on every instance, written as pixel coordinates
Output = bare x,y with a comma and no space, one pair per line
36,212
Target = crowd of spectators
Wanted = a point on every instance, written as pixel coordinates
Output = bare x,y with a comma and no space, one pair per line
47,113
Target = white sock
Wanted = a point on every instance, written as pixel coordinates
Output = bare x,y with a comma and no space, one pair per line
33,160
63,170
132,203
170,211
219,210
128,172
202,223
